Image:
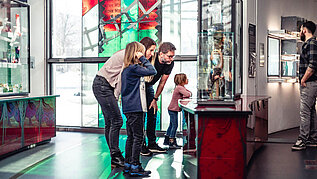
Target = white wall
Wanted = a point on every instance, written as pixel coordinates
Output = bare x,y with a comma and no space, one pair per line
284,104
37,34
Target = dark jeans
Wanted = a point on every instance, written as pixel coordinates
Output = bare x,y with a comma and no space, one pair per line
133,145
104,94
151,117
171,131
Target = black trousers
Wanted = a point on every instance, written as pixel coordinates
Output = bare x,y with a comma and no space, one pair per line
151,117
104,94
135,134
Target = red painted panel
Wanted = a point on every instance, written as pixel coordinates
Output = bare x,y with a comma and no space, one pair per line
111,8
88,4
147,4
222,149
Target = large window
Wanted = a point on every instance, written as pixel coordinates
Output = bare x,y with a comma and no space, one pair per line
179,67
92,30
66,28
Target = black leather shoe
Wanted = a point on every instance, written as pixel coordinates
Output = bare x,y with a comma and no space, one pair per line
117,159
166,140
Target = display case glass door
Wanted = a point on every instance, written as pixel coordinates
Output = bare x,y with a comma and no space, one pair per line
219,34
14,48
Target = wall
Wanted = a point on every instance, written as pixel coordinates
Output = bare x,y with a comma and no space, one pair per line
37,34
284,104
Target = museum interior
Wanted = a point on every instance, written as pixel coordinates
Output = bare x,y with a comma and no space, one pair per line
241,59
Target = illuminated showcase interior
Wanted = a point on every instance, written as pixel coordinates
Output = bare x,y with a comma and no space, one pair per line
14,48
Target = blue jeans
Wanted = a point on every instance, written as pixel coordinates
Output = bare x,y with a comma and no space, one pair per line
171,131
104,94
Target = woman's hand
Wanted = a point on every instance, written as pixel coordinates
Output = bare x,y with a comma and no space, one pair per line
138,54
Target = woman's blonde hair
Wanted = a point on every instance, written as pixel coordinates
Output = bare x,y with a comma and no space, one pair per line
180,78
130,50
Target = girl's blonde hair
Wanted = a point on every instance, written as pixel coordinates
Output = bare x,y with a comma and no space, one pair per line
130,50
180,78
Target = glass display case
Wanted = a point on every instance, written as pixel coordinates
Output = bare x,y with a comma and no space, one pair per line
283,56
14,48
215,65
219,72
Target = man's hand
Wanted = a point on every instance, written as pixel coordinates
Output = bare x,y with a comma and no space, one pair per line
308,73
154,105
303,83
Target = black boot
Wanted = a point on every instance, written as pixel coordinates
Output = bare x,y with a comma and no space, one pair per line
166,140
117,159
173,144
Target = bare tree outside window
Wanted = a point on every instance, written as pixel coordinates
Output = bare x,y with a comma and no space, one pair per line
66,30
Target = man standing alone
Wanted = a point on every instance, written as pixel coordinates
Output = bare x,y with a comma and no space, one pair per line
308,88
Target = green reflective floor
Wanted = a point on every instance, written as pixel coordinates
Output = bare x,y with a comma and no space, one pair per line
82,155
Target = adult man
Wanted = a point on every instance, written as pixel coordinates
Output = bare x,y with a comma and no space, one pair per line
164,63
308,88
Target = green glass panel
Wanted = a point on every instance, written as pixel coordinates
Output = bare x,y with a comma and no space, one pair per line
128,36
123,116
100,65
130,32
158,116
133,12
112,45
148,33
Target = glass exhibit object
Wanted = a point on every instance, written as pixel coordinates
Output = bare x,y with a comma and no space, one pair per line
14,48
219,33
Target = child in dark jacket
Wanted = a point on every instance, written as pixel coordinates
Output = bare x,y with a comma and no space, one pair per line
134,104
180,92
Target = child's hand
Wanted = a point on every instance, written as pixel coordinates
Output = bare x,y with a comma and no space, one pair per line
138,54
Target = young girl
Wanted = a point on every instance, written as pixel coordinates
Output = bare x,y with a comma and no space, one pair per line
134,104
180,92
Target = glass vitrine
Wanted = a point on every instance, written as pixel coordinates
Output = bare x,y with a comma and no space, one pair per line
219,50
14,48
215,65
283,56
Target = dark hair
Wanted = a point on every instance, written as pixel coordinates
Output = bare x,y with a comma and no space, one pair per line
147,42
311,26
166,46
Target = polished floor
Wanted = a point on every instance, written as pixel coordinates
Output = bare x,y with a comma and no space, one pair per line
84,155
276,160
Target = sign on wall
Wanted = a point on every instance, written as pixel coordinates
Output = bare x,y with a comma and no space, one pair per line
252,51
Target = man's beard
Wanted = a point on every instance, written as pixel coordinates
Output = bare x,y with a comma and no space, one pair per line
302,37
165,62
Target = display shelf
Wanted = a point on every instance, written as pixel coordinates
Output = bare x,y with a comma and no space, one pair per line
283,34
10,65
